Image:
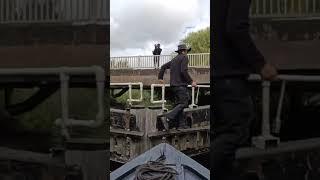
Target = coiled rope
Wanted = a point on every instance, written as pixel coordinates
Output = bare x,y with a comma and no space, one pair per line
155,170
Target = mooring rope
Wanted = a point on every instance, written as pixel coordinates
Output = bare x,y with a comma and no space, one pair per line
155,170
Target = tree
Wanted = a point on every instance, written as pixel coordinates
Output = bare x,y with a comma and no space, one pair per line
199,41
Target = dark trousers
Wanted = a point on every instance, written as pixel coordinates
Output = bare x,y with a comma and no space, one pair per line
230,128
182,98
156,61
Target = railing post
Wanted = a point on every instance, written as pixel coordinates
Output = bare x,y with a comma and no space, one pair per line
285,6
64,83
265,108
130,95
266,140
139,61
163,97
277,125
192,96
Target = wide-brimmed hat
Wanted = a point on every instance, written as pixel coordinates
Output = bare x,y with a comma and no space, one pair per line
183,47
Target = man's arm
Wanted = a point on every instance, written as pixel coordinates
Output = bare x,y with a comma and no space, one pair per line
184,69
163,69
239,35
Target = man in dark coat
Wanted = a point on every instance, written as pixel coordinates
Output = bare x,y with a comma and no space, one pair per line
235,57
179,80
157,51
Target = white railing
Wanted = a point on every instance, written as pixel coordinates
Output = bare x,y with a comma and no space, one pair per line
201,60
64,73
266,129
54,11
285,8
130,84
162,101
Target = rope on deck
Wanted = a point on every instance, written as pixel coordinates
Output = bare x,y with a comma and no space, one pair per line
155,170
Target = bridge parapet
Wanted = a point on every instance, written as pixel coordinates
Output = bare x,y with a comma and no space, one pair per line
284,8
54,11
200,60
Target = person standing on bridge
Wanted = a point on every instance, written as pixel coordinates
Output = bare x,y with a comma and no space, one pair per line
235,58
157,51
179,80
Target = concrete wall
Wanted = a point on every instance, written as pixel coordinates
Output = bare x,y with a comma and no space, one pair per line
48,45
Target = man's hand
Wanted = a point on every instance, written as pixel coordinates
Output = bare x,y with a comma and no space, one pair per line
269,72
194,84
161,81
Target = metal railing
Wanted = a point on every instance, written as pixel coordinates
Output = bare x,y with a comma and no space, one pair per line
201,60
54,11
194,98
285,8
266,88
130,84
64,74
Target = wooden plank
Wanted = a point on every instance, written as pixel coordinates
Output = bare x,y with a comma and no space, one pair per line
124,132
94,164
28,156
181,131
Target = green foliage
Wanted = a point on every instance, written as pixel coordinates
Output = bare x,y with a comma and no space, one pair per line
136,95
82,105
199,41
146,98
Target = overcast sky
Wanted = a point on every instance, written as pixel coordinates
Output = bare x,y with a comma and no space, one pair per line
136,25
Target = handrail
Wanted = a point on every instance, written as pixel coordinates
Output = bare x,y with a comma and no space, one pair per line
266,86
288,78
163,101
54,11
64,73
130,99
284,8
198,60
194,102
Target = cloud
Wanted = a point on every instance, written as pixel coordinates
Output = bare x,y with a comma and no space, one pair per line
137,25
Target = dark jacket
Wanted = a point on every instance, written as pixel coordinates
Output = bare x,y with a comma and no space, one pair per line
234,52
157,51
179,75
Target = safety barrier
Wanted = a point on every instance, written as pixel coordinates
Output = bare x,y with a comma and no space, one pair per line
200,60
285,8
54,11
266,137
64,74
163,101
130,99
